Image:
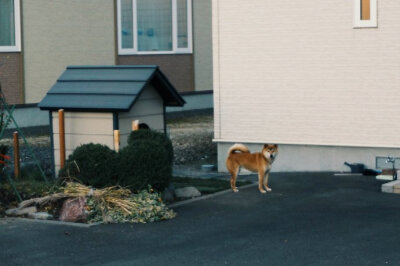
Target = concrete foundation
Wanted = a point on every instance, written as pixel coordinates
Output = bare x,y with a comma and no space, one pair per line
308,158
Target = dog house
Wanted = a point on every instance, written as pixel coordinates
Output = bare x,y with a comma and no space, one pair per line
97,100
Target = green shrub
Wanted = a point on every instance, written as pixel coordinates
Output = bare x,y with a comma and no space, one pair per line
95,165
160,138
147,160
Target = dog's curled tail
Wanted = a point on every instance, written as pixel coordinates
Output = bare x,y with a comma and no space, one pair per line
238,147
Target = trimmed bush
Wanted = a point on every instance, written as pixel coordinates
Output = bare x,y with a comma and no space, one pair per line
147,160
160,138
97,165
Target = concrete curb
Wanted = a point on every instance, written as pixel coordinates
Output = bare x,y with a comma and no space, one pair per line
82,225
185,202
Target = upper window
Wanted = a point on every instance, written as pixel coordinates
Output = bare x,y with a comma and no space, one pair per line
154,26
9,26
365,13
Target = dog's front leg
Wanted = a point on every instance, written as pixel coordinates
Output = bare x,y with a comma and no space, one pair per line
261,181
266,176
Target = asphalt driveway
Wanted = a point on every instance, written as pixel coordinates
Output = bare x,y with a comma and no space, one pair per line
308,219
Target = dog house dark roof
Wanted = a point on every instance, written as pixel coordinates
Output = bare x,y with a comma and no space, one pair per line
107,88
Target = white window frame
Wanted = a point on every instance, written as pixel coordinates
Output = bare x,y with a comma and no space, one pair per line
17,31
373,22
175,49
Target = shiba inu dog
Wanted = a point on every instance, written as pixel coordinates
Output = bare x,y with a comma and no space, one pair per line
260,162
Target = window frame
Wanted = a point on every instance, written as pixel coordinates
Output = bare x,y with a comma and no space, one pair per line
372,22
175,49
17,31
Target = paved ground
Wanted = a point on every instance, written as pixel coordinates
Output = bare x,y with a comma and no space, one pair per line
308,219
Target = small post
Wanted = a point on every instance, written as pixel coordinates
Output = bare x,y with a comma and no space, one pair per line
17,171
116,140
135,125
62,137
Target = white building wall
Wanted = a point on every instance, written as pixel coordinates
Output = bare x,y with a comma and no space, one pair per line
297,72
82,128
148,108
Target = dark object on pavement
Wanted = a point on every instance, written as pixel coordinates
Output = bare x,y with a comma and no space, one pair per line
356,167
372,172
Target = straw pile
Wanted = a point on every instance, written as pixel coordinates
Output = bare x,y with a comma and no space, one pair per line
119,205
111,204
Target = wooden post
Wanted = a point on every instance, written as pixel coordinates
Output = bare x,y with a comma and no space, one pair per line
62,137
116,140
17,171
135,125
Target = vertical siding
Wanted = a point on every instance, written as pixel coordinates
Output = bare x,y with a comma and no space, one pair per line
61,33
202,44
296,72
177,67
82,128
148,108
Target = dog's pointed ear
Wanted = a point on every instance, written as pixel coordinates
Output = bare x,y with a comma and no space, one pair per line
265,146
276,145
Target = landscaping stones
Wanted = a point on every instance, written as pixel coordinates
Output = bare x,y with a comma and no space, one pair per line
21,211
73,210
40,216
187,192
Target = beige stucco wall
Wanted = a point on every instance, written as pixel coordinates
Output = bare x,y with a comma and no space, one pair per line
61,33
82,128
202,44
297,72
148,108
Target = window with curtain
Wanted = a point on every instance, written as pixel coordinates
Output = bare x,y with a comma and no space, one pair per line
7,23
154,26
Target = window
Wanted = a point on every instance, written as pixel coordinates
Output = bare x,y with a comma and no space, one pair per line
154,26
9,26
365,13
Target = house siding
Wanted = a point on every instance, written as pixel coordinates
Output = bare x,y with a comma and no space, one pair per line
149,109
299,74
61,33
82,128
178,68
11,77
202,45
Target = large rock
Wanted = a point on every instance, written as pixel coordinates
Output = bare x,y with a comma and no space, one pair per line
187,192
21,211
73,210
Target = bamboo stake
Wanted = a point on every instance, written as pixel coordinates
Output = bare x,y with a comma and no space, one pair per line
135,125
17,171
62,137
116,140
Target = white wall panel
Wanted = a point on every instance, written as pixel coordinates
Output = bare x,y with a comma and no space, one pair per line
297,72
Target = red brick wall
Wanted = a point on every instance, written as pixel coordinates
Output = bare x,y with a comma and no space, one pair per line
11,77
179,69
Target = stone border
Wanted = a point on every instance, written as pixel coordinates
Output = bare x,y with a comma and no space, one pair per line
174,205
223,192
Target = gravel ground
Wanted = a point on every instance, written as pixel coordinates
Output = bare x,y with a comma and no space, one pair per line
192,140
191,137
